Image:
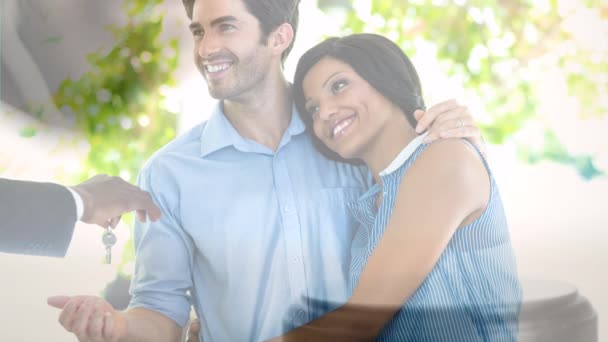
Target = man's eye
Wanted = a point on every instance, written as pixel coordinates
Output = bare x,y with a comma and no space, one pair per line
227,27
339,85
198,33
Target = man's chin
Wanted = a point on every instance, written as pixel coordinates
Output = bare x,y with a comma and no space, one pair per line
218,94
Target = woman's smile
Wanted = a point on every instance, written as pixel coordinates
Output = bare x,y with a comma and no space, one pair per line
340,128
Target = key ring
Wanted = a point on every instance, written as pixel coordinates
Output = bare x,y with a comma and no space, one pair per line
109,239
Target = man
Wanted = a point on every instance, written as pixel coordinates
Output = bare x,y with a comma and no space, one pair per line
255,218
39,218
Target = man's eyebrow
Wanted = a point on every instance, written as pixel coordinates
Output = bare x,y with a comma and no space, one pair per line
194,26
215,22
223,19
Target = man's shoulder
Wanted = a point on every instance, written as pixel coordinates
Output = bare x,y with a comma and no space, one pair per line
185,145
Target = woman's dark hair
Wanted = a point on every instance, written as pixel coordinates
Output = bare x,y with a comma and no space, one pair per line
377,60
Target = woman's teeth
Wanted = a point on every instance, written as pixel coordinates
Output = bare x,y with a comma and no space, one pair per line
341,126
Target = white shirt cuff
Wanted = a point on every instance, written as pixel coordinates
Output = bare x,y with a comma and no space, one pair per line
79,203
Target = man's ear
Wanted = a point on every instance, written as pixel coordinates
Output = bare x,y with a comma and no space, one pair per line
281,38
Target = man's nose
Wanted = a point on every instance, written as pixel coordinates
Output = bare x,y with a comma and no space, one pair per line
208,46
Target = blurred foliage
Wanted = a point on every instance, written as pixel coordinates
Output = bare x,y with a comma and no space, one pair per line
28,132
119,103
555,151
495,47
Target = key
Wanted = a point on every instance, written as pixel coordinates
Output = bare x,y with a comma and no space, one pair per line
109,239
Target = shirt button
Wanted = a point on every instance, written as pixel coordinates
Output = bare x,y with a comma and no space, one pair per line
287,208
301,313
295,260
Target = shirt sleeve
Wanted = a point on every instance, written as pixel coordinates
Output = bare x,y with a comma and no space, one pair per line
37,218
163,253
78,202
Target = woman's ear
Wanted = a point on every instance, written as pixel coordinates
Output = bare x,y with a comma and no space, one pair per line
281,38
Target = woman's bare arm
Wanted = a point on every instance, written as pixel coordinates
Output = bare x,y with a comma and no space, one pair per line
447,187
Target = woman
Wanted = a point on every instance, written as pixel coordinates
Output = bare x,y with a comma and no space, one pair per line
432,260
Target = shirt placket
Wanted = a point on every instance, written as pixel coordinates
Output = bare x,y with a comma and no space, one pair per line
293,239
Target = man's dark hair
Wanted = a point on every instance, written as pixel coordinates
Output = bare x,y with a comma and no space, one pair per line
270,14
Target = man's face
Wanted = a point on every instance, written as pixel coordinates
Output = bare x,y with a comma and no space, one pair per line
228,47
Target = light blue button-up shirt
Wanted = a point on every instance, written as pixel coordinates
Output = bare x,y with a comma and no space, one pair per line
248,235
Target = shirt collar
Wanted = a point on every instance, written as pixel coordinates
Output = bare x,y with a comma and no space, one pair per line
403,156
296,126
364,208
219,133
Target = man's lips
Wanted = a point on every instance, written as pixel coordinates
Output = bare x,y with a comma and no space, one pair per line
216,68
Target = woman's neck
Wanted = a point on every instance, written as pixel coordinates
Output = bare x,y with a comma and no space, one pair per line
387,146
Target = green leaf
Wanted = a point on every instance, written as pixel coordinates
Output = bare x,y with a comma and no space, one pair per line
28,132
502,74
122,85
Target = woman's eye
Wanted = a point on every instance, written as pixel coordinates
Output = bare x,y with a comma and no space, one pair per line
312,110
339,85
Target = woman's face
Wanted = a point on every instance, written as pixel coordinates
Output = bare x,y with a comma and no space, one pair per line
348,114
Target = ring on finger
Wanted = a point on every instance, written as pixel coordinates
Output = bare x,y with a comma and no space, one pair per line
460,123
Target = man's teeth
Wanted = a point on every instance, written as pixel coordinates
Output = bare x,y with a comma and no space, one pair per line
217,67
342,125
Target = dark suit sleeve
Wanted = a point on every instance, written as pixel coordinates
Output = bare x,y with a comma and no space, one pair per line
35,218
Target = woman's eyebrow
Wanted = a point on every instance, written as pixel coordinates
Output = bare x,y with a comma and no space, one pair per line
330,77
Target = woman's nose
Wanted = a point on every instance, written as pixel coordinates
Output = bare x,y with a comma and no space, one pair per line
327,111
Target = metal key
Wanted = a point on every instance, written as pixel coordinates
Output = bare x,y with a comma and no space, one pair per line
109,239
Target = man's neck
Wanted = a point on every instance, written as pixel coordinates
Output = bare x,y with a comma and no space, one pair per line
264,114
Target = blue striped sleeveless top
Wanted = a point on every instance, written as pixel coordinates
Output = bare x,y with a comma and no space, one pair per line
471,294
